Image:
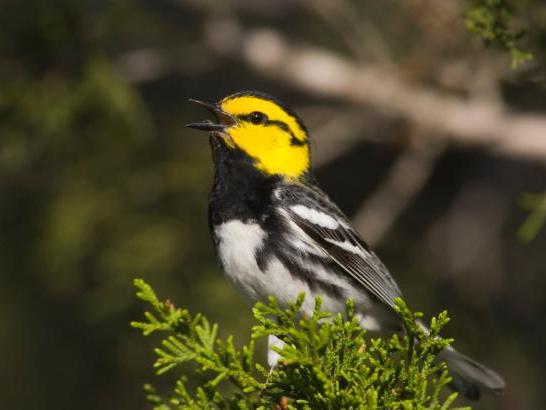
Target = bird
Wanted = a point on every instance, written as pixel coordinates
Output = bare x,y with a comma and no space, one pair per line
276,233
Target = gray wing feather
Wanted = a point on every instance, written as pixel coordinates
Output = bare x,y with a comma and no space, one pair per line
364,266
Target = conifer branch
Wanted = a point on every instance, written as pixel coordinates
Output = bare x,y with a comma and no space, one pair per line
327,362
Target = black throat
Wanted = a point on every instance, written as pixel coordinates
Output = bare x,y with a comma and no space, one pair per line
240,191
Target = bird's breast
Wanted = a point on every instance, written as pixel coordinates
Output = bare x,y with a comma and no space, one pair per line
238,245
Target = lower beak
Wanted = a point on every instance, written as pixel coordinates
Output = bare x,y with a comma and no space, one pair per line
206,126
224,120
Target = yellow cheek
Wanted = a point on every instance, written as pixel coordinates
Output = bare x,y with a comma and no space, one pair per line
272,150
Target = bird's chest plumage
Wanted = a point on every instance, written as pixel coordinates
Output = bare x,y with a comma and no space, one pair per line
239,207
238,244
242,246
255,244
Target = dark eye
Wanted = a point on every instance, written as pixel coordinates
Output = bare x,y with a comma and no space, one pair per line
257,117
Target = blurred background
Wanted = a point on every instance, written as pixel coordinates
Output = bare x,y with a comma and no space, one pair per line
423,134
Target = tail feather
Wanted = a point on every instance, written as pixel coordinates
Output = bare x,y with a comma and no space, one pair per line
469,377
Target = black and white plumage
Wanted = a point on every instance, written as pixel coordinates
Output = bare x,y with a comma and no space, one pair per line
269,234
282,236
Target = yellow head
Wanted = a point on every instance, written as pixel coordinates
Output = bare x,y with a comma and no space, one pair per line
263,129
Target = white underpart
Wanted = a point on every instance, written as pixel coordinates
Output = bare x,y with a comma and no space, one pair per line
238,243
349,247
272,356
316,217
369,323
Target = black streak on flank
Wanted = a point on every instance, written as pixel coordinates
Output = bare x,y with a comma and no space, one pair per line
263,257
316,284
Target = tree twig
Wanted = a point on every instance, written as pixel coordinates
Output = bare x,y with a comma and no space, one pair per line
404,181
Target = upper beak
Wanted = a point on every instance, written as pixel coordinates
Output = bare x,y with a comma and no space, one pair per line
223,119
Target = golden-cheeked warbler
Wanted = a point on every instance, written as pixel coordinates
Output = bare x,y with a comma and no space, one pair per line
277,233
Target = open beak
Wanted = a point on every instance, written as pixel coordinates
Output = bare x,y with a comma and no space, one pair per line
223,119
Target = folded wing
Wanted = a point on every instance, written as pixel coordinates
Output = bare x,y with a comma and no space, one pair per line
319,223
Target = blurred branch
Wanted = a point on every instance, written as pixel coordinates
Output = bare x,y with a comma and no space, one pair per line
404,181
464,244
465,122
359,32
473,121
337,130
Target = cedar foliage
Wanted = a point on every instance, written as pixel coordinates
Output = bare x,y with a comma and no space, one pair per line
492,20
327,362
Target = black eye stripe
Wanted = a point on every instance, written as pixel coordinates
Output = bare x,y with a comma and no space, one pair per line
276,123
295,141
282,125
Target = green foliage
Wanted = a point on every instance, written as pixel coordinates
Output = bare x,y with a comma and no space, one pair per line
536,203
490,19
327,361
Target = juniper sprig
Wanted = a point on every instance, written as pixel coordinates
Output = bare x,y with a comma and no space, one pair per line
328,362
